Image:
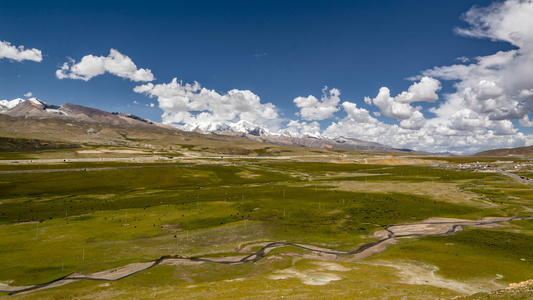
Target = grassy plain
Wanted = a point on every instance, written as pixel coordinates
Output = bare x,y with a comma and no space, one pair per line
54,224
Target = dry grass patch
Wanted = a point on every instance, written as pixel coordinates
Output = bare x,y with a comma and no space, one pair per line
440,191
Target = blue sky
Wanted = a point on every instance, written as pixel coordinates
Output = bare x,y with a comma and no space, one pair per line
282,50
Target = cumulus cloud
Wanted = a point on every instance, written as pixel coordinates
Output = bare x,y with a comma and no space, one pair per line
115,63
298,129
414,122
425,90
496,86
505,127
453,72
390,107
490,92
197,106
19,53
28,95
313,109
525,122
358,115
400,108
508,21
476,117
431,137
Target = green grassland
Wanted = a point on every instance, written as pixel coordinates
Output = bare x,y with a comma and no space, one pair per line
54,224
473,252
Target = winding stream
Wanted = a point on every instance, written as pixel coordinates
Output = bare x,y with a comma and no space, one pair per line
390,234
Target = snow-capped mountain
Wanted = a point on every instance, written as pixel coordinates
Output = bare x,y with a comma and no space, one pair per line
228,128
286,138
37,109
9,104
30,108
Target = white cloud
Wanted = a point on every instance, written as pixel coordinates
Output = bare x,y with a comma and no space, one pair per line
298,129
526,93
496,86
313,109
19,53
390,107
196,106
374,132
505,127
115,63
490,91
508,21
28,95
431,137
359,115
476,117
415,121
453,72
425,90
400,108
466,120
490,94
525,121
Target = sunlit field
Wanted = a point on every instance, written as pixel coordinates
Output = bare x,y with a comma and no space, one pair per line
113,214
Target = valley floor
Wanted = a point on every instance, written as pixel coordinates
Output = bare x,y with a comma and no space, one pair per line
289,227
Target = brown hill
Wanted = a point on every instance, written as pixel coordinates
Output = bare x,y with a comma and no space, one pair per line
70,123
22,145
29,109
35,126
506,152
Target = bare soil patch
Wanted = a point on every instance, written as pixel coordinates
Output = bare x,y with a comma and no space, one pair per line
417,273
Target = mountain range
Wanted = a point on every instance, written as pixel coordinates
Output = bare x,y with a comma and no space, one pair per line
33,118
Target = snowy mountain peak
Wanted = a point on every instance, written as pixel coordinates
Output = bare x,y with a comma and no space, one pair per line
9,104
36,101
45,105
241,126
